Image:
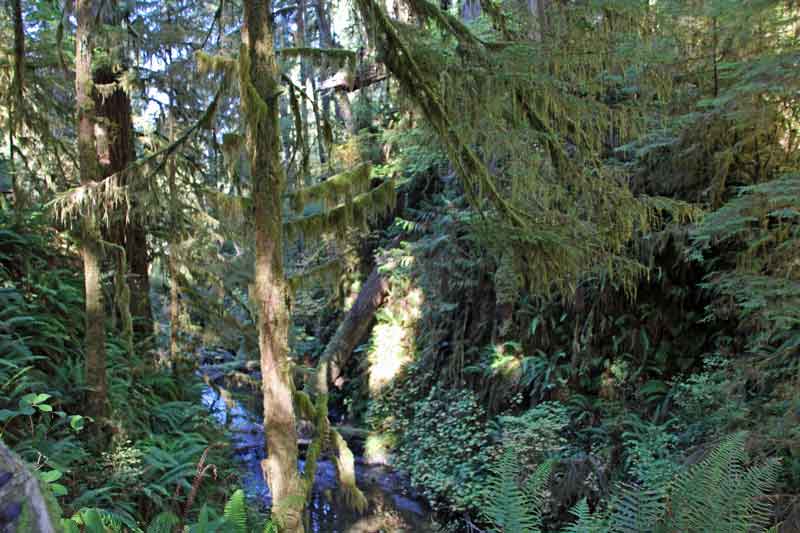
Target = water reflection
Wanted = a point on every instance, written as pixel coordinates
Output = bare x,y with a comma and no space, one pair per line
392,506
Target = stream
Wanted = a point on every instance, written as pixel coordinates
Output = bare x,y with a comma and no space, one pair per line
393,506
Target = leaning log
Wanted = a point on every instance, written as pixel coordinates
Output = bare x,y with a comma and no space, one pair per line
352,330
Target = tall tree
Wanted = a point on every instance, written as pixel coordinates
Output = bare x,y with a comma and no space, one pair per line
260,90
116,152
91,247
17,87
328,40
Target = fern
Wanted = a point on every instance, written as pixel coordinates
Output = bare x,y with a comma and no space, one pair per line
236,513
636,508
164,522
510,507
587,522
719,494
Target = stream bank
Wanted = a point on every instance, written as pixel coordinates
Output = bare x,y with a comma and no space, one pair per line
393,506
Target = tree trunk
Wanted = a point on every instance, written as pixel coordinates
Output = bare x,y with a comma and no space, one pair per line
327,40
17,85
174,294
22,495
300,42
116,152
92,250
259,77
354,327
345,111
470,10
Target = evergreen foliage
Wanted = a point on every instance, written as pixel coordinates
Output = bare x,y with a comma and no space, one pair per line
575,225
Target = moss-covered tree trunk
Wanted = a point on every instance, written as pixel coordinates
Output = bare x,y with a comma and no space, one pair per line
352,330
259,77
116,152
91,247
174,218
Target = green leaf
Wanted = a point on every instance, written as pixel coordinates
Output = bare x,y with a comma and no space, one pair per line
28,399
5,414
70,526
93,521
59,489
51,476
39,398
77,422
45,408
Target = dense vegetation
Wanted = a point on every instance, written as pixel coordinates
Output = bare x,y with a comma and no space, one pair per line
540,258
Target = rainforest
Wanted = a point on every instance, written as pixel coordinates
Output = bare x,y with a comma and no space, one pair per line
422,266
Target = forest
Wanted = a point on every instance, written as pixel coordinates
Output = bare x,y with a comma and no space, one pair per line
435,266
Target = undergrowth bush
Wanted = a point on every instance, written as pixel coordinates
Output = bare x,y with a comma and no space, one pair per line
443,447
147,457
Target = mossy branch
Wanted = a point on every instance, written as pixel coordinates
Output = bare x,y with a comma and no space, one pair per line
333,190
353,213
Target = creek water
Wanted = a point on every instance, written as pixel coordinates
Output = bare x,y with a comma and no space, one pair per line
393,507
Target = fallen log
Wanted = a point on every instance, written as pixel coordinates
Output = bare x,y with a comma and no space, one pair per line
364,76
352,330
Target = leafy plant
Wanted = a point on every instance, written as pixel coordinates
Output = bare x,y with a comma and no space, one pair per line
720,494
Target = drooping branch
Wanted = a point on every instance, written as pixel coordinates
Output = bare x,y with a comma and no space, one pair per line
355,213
109,192
333,190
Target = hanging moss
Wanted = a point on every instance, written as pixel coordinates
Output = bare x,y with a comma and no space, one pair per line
345,468
333,190
323,57
215,63
561,215
237,209
326,274
355,213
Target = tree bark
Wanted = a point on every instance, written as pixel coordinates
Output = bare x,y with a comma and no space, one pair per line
300,42
259,78
174,293
116,152
17,86
91,248
23,493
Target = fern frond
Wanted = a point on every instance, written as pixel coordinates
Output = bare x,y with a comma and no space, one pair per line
235,513
720,494
510,508
637,508
164,522
587,522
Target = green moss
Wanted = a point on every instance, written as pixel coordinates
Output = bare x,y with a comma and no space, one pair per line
352,213
333,190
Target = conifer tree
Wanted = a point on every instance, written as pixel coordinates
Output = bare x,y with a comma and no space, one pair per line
92,253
